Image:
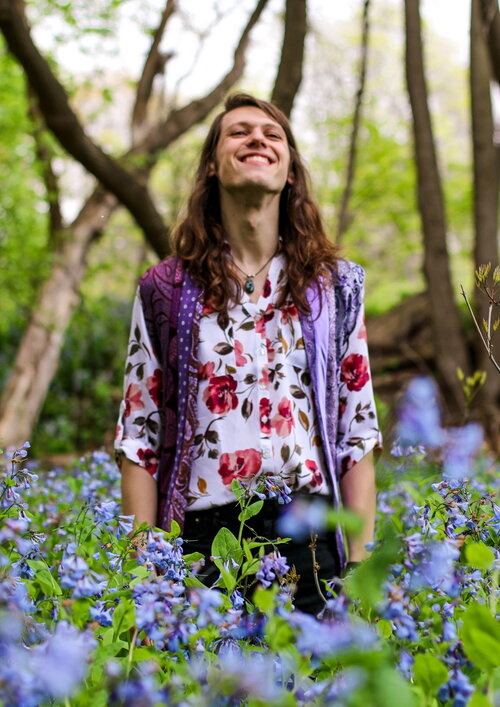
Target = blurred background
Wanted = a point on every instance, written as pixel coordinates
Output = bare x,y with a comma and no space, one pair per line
103,108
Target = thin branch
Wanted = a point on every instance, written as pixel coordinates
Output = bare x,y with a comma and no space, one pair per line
154,65
486,342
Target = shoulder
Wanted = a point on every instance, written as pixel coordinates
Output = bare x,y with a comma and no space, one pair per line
168,272
349,275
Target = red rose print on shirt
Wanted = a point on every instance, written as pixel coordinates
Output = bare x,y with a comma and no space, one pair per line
149,459
133,398
362,331
289,311
261,319
354,371
316,476
267,288
242,464
219,394
283,421
238,352
265,412
153,384
206,370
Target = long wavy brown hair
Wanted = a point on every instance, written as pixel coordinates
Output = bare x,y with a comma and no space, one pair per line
199,239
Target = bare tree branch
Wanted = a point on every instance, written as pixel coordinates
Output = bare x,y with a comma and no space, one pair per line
62,121
154,65
175,123
289,76
342,221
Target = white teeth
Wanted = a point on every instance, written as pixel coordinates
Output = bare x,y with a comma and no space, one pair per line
256,158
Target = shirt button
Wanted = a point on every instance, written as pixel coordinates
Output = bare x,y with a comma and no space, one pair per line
262,386
263,349
266,453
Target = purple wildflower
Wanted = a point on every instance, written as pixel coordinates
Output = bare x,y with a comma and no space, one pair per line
419,415
303,517
462,444
272,567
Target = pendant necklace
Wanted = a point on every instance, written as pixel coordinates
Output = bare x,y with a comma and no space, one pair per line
248,285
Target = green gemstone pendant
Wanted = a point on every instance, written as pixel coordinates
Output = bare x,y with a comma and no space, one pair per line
249,286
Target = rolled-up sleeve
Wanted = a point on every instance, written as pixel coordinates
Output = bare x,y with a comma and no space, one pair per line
139,427
358,430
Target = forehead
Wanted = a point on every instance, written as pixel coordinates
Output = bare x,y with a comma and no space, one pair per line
249,115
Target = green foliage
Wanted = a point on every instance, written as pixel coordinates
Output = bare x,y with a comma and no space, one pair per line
24,260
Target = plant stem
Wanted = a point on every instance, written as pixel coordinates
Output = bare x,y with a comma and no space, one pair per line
131,650
312,546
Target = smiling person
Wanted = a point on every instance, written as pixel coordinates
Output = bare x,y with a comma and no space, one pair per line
248,355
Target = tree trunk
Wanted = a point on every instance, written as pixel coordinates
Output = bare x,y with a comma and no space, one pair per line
450,346
38,354
491,24
289,76
343,218
486,185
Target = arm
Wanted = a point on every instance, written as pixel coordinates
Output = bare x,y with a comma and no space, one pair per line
358,490
139,493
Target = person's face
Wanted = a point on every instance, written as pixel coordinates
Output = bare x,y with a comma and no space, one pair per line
252,152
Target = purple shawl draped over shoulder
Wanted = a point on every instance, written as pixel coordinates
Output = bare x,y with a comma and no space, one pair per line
172,306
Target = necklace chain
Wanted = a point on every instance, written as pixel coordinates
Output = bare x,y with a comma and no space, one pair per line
249,284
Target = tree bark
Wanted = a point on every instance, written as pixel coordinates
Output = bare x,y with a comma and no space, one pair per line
450,346
343,218
38,353
289,76
491,23
485,189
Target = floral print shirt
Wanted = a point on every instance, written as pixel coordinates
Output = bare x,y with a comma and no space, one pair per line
254,400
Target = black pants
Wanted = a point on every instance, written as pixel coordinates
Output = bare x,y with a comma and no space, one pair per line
201,527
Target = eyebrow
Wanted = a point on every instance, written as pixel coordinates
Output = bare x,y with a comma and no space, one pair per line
246,124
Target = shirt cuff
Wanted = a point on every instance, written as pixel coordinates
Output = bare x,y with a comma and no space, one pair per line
348,457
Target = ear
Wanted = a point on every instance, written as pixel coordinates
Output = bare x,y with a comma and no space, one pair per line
212,172
291,178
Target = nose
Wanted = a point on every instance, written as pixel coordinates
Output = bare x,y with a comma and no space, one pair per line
256,136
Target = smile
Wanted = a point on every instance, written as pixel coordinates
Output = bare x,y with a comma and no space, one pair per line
256,159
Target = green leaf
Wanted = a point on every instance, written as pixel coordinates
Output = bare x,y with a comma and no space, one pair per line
43,577
430,673
279,633
351,522
389,689
365,582
236,489
384,628
264,598
479,555
123,617
175,529
225,545
480,634
479,700
252,510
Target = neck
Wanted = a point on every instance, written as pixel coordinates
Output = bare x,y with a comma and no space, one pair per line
251,229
